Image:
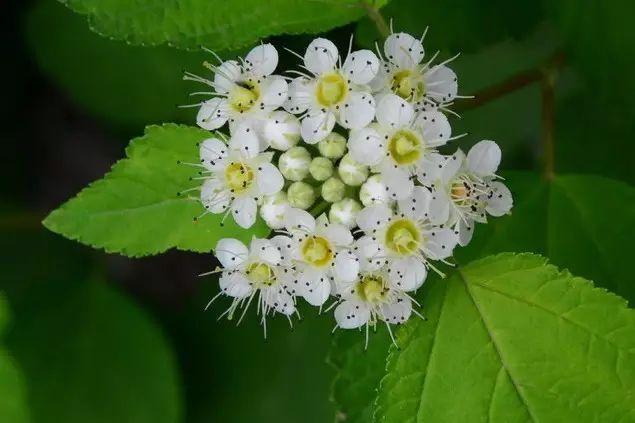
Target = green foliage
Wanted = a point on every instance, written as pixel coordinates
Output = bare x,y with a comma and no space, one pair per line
134,210
358,373
511,338
216,24
89,354
457,25
116,82
583,223
13,407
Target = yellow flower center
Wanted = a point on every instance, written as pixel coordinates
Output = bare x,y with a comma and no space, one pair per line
458,191
408,85
239,177
243,96
317,251
405,147
260,274
331,89
371,288
403,236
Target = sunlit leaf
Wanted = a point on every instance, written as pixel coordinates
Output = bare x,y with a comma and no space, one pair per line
511,338
135,210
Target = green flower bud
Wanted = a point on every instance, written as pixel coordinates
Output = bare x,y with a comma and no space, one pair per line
333,146
333,190
351,172
344,212
294,163
321,168
301,195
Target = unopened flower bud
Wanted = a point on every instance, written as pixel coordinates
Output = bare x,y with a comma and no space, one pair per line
281,130
294,163
301,195
333,146
321,168
373,191
333,190
351,172
273,208
344,212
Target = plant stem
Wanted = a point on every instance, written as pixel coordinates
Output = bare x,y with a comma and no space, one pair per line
547,85
511,84
374,15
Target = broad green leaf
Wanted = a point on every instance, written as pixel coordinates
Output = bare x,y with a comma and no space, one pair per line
359,372
510,338
456,25
114,81
217,24
135,210
89,355
13,407
583,223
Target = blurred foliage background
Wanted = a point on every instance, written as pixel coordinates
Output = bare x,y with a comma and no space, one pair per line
91,337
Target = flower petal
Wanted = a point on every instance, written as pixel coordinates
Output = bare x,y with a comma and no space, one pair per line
435,128
338,234
373,217
465,231
371,253
226,76
297,219
235,284
351,314
244,211
439,210
299,95
407,274
366,146
398,182
273,92
403,50
417,205
284,244
441,84
441,243
245,140
269,179
279,300
345,266
215,196
320,56
316,126
452,165
357,111
501,200
213,113
394,112
315,286
262,60
231,252
484,157
361,66
213,152
264,250
281,130
398,312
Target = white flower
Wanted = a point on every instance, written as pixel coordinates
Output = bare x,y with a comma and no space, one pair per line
253,274
467,190
319,252
403,73
237,176
281,130
401,144
243,92
331,91
405,242
372,297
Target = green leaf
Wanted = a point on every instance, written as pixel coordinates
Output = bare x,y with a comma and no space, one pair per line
581,222
114,81
134,210
217,24
90,355
13,407
511,338
456,25
359,372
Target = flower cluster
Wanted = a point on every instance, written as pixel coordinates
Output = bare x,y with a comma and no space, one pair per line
345,143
